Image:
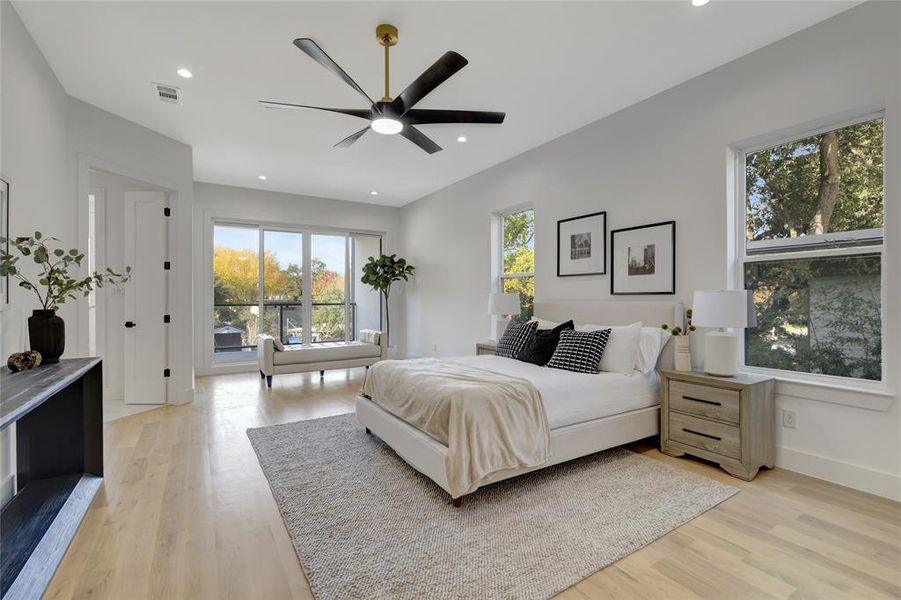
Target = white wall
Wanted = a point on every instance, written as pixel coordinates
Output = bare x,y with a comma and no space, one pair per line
666,158
49,141
35,159
213,201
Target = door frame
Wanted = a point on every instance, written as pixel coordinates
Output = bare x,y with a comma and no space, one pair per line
86,163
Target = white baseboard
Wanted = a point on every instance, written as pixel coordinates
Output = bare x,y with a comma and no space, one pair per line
860,478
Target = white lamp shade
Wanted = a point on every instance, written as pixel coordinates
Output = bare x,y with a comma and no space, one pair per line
723,308
503,304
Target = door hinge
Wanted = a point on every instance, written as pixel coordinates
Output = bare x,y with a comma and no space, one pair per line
167,265
167,212
167,318
167,372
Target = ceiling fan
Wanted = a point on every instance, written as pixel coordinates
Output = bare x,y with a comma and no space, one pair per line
389,115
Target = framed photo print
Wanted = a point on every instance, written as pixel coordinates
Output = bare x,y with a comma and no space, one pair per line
582,245
643,259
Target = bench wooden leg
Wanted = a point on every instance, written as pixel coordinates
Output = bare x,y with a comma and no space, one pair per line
369,431
457,502
262,375
321,374
269,381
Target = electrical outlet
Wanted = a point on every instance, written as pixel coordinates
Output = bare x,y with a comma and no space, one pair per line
789,419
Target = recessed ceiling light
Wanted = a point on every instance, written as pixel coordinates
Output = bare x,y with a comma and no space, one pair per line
262,178
183,72
699,2
373,193
461,139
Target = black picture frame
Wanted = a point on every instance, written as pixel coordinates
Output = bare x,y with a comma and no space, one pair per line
613,278
603,270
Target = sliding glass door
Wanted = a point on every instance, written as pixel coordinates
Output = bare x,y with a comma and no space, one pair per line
329,270
236,291
367,303
260,286
283,285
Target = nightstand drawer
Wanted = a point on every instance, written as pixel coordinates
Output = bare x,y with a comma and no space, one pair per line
708,435
705,401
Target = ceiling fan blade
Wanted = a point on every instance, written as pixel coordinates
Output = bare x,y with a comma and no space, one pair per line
354,112
349,140
311,49
420,139
419,116
431,78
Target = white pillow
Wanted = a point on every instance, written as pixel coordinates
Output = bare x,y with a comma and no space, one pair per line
651,344
543,323
621,353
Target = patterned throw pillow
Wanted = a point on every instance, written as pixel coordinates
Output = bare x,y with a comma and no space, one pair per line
516,337
580,351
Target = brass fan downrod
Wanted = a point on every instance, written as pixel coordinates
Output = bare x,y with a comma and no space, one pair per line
387,37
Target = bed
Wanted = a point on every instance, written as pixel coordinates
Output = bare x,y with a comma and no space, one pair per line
585,413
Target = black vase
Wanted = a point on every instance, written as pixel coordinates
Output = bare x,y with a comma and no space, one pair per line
47,333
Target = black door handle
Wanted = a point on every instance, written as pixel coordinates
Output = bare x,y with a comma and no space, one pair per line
129,324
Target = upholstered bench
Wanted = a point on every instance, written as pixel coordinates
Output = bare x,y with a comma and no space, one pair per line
277,359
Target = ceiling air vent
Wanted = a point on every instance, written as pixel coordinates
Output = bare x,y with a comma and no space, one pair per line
167,93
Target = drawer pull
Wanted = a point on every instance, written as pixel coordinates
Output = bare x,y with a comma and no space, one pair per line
706,435
703,401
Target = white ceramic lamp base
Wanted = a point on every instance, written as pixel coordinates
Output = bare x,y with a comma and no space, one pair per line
721,353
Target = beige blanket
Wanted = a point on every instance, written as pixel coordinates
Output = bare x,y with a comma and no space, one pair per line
490,422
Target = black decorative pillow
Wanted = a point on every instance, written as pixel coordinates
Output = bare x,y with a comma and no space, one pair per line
543,345
580,351
516,337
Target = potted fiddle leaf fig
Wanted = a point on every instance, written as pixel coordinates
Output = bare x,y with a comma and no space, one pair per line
53,285
380,273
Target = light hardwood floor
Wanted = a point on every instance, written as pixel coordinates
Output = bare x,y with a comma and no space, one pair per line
185,512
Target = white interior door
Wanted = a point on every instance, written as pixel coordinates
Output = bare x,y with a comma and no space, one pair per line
146,335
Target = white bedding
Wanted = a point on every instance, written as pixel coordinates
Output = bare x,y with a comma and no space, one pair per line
571,398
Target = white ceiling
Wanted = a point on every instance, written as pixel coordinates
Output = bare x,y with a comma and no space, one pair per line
553,67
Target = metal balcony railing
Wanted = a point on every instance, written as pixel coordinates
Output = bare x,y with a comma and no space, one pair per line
224,342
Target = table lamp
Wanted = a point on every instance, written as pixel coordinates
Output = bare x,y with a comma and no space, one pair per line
722,309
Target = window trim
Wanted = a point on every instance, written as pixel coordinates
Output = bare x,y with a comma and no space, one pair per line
821,247
208,365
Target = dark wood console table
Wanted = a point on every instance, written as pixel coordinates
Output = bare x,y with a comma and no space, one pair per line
58,412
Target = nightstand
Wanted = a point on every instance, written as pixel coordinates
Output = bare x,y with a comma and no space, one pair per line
727,420
486,347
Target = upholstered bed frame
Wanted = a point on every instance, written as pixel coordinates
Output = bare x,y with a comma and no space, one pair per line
427,455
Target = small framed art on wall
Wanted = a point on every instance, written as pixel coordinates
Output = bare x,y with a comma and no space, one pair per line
582,245
643,259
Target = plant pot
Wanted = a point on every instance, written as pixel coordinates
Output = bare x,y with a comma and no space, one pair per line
683,353
47,334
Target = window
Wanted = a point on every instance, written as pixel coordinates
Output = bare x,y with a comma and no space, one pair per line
260,271
517,273
811,250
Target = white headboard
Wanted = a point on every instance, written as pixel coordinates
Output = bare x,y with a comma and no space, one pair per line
651,314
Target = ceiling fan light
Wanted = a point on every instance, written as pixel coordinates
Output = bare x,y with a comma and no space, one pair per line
386,126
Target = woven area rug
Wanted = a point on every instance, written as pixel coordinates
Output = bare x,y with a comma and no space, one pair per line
367,525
